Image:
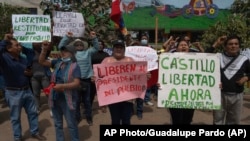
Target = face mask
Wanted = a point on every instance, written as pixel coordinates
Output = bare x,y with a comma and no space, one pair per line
144,42
66,59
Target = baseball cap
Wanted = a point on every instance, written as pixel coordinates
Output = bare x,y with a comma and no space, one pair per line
118,42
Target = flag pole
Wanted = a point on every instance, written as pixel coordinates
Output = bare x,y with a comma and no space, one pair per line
156,32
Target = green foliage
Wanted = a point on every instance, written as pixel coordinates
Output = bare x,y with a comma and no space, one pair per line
96,16
237,23
6,12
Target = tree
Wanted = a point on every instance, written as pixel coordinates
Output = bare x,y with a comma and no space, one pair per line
241,7
96,14
6,12
237,23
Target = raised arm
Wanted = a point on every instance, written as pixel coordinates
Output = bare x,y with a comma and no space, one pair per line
65,40
43,55
216,44
95,43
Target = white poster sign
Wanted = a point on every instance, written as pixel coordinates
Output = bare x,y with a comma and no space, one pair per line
31,28
189,80
142,53
65,22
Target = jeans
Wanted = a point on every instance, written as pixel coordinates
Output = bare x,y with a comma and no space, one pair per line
60,109
147,95
18,99
139,106
84,96
121,113
37,84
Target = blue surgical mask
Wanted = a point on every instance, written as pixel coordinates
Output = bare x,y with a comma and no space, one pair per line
144,42
66,59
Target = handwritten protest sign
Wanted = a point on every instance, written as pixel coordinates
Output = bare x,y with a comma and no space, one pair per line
31,28
120,81
65,22
142,53
189,80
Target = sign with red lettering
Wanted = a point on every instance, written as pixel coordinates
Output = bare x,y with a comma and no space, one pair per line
120,81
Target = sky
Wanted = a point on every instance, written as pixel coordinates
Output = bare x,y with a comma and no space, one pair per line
222,4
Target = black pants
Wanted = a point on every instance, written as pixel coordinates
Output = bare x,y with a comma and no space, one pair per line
181,116
92,92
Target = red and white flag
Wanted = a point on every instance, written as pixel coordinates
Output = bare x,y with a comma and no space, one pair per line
116,16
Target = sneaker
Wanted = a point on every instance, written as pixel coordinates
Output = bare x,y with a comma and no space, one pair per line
149,103
39,137
17,139
51,114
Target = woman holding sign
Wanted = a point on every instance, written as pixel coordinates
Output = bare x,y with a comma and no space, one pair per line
179,115
120,112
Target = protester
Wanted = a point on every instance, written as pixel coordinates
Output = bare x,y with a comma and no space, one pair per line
41,74
181,116
235,71
150,84
145,42
65,81
18,94
169,45
97,58
83,57
120,112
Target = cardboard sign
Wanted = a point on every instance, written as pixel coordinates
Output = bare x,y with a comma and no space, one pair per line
142,53
120,81
189,80
65,22
31,28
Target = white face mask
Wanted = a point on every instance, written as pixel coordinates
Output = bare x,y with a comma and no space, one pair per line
66,59
144,42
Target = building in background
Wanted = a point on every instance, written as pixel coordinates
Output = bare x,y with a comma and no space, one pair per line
33,5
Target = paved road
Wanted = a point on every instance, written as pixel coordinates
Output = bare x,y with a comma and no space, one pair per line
152,115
